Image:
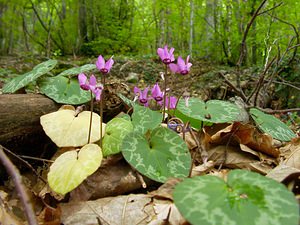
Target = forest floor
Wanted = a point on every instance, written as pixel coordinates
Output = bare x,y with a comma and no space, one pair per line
204,82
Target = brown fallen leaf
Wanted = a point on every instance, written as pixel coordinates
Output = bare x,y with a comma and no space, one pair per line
8,218
281,172
292,153
231,157
114,177
247,134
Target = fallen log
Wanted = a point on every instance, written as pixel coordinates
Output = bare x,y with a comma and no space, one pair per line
21,131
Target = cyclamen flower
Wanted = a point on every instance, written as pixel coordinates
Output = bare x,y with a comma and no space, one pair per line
91,85
173,102
182,67
156,93
104,67
142,95
165,55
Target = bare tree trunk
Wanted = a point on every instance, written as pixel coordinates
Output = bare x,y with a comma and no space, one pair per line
82,18
191,27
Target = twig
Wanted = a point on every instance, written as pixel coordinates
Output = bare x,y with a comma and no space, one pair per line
260,82
287,84
270,9
14,173
273,111
238,91
26,163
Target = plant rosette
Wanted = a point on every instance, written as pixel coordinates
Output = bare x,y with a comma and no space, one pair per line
245,198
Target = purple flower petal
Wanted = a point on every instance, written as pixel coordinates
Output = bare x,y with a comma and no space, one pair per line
82,79
156,93
100,63
173,67
93,81
165,55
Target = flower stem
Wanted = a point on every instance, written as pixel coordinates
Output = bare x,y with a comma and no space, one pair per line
101,107
91,117
165,93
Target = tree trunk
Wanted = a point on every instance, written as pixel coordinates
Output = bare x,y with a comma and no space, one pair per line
82,22
191,26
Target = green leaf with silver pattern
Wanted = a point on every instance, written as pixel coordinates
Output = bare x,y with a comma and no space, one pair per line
78,70
64,90
246,198
115,131
213,111
271,125
144,119
159,155
23,80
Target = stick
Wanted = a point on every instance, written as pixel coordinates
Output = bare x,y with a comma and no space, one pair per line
14,173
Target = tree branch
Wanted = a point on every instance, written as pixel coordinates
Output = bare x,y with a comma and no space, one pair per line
243,43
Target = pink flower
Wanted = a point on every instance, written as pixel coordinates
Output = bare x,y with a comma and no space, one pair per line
173,102
166,56
142,95
156,93
97,92
181,66
91,85
104,67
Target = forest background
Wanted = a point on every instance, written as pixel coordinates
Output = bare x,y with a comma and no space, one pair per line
229,32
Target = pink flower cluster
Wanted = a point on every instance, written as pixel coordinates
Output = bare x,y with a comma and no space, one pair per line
92,85
182,67
156,94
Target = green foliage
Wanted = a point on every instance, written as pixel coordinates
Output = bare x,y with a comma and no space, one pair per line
77,70
115,131
213,111
23,80
64,90
271,125
159,154
245,198
144,119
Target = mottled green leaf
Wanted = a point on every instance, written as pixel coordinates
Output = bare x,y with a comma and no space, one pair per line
144,119
126,100
23,80
64,90
115,131
73,167
78,70
159,154
246,198
213,111
271,125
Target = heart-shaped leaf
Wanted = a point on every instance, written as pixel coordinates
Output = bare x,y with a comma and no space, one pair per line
159,154
271,125
115,131
23,80
73,167
78,70
144,119
214,111
66,129
64,90
247,198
